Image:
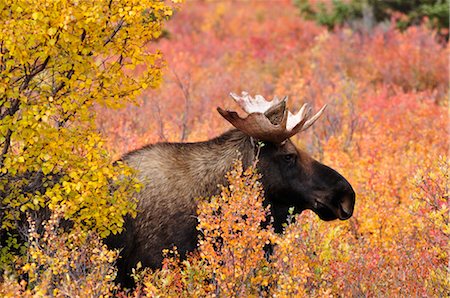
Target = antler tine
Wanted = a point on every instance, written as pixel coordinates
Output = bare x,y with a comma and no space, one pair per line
295,120
277,100
302,120
254,105
314,118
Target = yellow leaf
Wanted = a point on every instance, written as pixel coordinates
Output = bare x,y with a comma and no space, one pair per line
51,31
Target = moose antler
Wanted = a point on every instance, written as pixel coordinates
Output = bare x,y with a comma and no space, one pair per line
258,125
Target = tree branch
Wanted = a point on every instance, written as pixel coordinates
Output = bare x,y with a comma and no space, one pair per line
117,29
16,105
68,76
6,145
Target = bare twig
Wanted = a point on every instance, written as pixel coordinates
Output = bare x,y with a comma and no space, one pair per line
157,111
187,99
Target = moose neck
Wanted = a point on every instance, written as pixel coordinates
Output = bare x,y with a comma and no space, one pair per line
234,145
211,160
226,149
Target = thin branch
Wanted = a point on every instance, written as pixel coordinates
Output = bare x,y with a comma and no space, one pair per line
187,99
6,146
117,29
157,111
16,105
83,35
39,68
33,73
15,102
12,110
63,84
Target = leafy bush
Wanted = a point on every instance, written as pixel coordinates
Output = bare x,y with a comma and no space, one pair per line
58,60
59,264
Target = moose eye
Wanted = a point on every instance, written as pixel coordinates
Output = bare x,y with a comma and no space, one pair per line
289,158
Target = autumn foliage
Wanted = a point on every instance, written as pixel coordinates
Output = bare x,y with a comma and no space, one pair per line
386,130
57,60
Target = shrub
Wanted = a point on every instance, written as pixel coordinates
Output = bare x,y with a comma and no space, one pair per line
60,264
58,59
230,259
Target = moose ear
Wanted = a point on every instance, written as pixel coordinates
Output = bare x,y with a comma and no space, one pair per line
276,113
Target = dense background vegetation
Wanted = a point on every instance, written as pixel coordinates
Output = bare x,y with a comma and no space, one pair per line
386,130
369,13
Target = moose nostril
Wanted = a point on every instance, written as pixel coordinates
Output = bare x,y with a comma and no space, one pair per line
345,212
346,207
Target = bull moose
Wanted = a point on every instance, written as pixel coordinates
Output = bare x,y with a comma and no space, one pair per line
176,174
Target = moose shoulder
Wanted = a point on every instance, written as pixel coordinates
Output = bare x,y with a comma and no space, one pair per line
175,174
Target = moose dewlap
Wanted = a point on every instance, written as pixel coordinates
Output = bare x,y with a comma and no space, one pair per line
175,174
